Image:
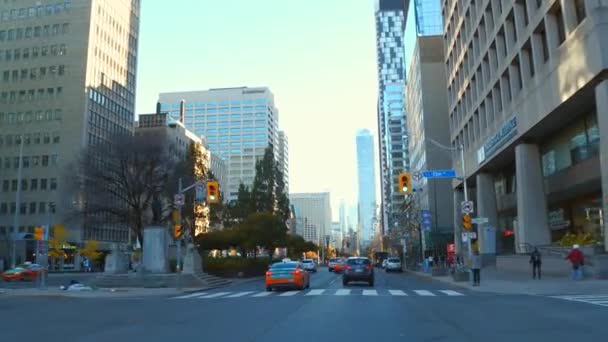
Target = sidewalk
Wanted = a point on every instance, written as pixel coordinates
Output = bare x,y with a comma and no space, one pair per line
520,283
97,293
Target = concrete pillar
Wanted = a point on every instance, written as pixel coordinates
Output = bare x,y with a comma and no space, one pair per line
458,197
156,249
531,200
486,207
601,101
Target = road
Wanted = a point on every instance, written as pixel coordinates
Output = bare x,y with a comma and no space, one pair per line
401,307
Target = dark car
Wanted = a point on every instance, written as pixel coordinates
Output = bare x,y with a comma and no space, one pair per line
358,269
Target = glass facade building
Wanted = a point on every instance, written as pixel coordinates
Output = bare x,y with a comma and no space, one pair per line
429,21
366,180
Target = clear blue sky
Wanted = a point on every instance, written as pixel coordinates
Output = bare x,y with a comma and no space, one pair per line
317,56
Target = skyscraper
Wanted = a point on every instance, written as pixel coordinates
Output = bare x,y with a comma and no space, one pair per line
284,158
314,210
392,134
238,125
366,180
68,80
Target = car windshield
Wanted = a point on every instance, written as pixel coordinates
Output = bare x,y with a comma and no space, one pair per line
334,260
358,261
283,265
307,261
394,260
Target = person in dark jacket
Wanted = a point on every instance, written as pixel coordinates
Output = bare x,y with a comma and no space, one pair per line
535,261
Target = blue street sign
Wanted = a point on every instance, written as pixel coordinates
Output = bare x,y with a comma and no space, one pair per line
426,220
439,174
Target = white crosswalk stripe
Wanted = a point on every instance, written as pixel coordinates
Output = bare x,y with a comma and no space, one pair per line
601,300
424,293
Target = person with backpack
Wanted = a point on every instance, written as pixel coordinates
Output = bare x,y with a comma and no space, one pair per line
577,259
535,261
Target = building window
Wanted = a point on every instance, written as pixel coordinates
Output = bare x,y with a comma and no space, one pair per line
43,183
579,7
32,207
541,35
558,16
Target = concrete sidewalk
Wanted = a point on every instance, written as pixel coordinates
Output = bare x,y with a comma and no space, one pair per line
520,283
97,293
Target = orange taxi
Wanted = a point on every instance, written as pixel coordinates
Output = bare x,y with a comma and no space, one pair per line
287,275
339,266
23,272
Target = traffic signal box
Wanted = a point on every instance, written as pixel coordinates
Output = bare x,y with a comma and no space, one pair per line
405,182
177,231
466,222
213,192
39,233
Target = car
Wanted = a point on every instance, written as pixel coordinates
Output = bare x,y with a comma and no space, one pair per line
287,275
27,271
309,265
393,264
332,263
339,266
358,269
384,263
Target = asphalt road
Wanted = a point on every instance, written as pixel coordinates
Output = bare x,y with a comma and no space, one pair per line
401,307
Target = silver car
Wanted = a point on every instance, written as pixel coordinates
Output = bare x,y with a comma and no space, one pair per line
393,264
309,265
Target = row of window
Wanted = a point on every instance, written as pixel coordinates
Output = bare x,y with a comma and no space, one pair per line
34,208
43,31
33,73
190,114
34,52
238,144
31,161
30,138
33,184
192,105
225,123
30,116
235,130
37,11
30,95
236,136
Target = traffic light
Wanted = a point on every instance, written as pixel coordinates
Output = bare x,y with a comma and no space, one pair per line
213,192
177,232
38,233
466,222
405,182
176,216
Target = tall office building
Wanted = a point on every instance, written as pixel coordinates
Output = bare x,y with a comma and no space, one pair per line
429,20
68,73
366,180
392,134
342,218
313,209
527,100
284,158
238,125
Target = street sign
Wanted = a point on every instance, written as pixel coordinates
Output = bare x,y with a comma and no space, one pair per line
426,220
179,200
417,176
201,191
467,207
439,174
469,235
480,220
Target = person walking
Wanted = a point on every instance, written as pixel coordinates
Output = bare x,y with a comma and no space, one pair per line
476,267
535,261
577,259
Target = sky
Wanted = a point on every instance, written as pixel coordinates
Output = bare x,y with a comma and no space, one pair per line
318,57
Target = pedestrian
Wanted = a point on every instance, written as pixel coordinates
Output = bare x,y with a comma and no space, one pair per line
85,264
476,266
577,259
450,262
535,261
430,261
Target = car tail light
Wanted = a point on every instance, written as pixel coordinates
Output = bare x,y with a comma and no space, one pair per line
268,274
370,267
347,267
295,272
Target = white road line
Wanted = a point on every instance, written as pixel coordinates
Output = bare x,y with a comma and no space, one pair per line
397,293
215,295
343,292
424,293
239,294
198,294
370,292
451,293
262,294
316,292
289,293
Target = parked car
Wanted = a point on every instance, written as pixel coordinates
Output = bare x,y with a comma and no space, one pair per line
287,274
358,269
26,271
393,264
332,263
309,265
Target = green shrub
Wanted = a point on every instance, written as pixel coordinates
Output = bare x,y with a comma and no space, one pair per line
231,267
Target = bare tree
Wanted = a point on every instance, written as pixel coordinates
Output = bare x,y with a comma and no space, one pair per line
411,222
123,182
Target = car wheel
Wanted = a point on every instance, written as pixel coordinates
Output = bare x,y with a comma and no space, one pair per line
268,288
344,282
386,270
308,285
371,283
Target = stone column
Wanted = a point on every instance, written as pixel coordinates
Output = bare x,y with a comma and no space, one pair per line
531,200
458,197
601,101
156,249
486,207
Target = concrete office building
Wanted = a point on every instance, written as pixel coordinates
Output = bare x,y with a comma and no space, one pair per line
68,71
392,135
366,185
284,158
528,99
238,125
314,209
427,108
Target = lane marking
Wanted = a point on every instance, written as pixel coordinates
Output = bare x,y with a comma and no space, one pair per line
424,293
239,294
215,295
316,292
370,292
262,294
191,295
342,292
397,293
451,293
289,293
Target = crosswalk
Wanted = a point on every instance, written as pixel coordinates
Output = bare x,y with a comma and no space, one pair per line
601,300
322,292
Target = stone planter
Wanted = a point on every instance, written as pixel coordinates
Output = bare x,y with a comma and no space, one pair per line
460,276
439,272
